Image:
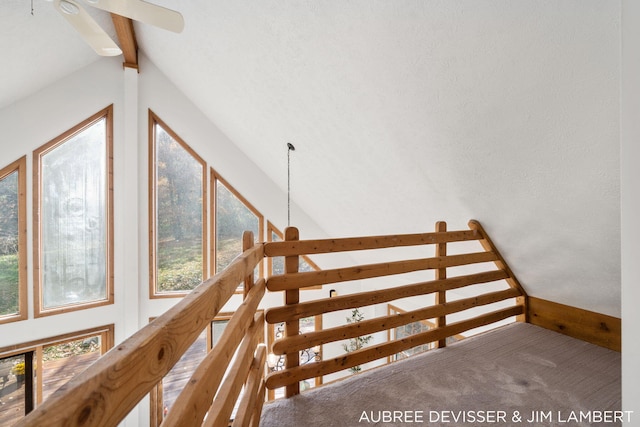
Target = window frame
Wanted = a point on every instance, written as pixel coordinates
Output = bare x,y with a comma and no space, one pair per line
39,309
156,395
271,338
215,177
106,333
19,166
153,194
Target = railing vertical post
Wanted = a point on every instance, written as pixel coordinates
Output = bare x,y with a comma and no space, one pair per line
247,243
441,273
292,327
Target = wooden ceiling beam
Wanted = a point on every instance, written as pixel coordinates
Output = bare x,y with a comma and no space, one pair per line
127,38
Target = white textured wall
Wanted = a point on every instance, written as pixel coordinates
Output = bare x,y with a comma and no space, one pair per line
32,122
630,174
408,112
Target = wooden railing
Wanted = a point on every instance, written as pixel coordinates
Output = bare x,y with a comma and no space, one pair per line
107,391
292,281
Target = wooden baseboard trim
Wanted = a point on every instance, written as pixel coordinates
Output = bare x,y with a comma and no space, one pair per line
596,328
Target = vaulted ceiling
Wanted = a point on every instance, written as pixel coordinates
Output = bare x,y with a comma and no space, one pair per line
402,113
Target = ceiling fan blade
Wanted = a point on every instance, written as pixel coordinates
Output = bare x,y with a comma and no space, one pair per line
143,11
89,29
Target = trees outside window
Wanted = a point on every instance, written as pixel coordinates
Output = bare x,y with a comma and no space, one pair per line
233,215
73,218
13,283
177,209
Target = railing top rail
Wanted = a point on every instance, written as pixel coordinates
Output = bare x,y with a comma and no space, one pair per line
309,247
106,392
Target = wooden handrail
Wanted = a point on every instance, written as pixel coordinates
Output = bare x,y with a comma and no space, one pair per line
254,391
348,244
384,323
193,403
221,409
313,278
367,354
363,299
105,393
294,310
109,389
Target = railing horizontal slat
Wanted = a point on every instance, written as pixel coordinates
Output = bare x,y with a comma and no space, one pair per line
195,399
309,247
313,278
371,326
361,299
222,407
368,354
251,392
106,392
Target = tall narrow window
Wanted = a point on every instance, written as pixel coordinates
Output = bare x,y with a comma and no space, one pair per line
233,216
13,255
73,218
178,190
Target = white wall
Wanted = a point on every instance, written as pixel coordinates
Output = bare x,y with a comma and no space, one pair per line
30,123
630,201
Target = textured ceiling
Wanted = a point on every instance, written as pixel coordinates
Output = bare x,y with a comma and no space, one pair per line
403,113
39,48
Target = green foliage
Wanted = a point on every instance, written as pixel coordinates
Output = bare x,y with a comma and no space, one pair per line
179,265
8,284
9,214
71,349
180,278
232,216
358,342
179,189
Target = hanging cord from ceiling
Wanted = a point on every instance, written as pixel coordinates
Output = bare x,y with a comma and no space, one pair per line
290,148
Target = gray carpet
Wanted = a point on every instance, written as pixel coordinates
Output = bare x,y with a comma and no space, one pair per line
518,370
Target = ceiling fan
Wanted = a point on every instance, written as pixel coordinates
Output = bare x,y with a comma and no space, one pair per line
138,10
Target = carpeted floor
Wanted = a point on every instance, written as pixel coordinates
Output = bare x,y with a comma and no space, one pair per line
518,374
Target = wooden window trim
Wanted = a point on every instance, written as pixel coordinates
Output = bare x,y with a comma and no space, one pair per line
215,176
40,311
153,293
106,333
20,166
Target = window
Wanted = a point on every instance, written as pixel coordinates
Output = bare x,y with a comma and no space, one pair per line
276,264
308,355
177,207
166,392
411,329
73,218
13,248
28,376
233,216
